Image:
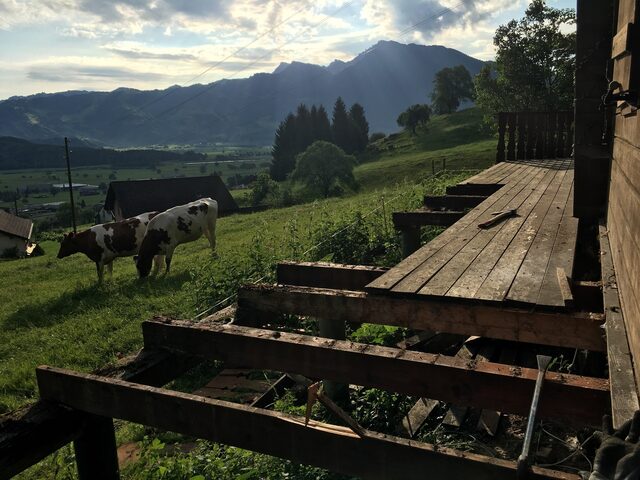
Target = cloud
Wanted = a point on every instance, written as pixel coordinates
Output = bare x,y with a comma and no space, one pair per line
68,73
146,55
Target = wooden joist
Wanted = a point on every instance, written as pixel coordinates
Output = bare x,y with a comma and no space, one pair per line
467,383
624,394
573,330
374,456
453,202
419,218
327,275
29,435
473,189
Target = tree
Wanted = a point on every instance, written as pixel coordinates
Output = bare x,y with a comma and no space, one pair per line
414,116
325,167
340,126
283,151
360,127
321,124
262,188
535,63
451,85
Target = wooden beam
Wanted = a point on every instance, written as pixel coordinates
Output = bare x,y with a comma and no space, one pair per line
425,217
453,202
95,449
624,394
327,275
468,383
374,456
572,330
30,434
483,189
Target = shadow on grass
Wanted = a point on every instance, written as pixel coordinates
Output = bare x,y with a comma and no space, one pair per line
94,296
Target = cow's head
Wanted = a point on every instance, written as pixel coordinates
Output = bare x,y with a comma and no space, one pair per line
68,245
143,264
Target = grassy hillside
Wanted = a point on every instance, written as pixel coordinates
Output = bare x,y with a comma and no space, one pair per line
458,140
52,311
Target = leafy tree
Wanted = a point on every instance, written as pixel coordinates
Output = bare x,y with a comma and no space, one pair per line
415,116
284,149
324,167
303,128
340,126
360,127
262,188
535,63
451,85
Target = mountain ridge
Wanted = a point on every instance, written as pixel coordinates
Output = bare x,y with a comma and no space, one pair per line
385,78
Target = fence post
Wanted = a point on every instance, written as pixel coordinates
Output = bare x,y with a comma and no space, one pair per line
502,121
511,145
95,448
337,331
410,240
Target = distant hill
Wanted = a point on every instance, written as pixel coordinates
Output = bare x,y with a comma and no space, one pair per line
16,153
385,79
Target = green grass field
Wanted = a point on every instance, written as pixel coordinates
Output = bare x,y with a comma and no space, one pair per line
53,312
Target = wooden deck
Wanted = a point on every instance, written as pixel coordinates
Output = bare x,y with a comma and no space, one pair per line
515,261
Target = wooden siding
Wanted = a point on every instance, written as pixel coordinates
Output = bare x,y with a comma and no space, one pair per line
623,220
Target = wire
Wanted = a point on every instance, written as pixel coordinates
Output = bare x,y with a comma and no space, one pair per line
575,450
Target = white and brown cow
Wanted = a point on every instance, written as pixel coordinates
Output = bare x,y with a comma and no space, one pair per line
181,224
104,243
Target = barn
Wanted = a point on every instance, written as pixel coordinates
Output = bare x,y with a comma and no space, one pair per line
15,233
132,197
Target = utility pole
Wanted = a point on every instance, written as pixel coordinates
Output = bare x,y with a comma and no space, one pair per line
73,208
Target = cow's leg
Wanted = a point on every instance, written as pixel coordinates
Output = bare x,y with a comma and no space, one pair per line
157,263
167,261
100,268
210,232
110,268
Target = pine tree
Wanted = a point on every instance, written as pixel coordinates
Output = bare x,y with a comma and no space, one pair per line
303,128
323,126
360,128
340,126
284,149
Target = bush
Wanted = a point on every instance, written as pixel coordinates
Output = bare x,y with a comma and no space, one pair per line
376,136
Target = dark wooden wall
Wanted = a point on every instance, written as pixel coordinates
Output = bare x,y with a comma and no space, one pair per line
623,221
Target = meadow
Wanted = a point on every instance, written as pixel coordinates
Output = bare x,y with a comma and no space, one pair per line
53,312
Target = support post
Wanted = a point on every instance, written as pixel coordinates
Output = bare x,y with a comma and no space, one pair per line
95,448
73,207
410,240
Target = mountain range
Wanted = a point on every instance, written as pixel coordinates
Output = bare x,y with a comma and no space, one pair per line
385,79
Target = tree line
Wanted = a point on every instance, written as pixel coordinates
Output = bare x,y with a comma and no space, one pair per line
348,130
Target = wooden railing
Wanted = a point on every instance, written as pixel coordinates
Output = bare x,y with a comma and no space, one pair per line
534,135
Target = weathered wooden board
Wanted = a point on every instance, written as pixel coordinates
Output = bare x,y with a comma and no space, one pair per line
573,330
451,379
624,393
373,456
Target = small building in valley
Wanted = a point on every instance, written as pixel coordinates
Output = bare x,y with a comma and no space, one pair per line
132,197
15,234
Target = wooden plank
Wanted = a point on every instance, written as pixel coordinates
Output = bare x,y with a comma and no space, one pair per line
327,275
456,414
490,238
502,126
30,434
425,217
624,394
453,202
374,456
397,273
437,376
520,149
470,282
95,449
527,283
511,144
489,420
622,41
574,330
415,418
414,281
499,281
562,257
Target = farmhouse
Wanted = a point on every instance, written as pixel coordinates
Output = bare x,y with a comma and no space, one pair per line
132,197
15,233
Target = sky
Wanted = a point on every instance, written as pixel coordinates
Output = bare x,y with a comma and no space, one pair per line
57,45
